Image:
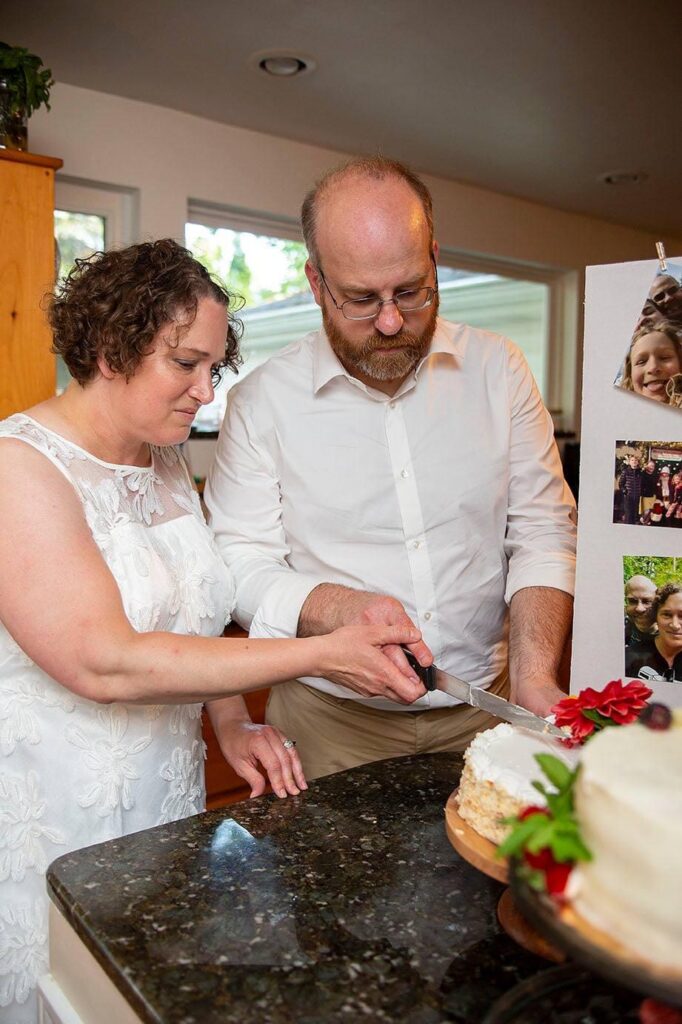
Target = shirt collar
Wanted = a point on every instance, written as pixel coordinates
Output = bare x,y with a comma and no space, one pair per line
449,340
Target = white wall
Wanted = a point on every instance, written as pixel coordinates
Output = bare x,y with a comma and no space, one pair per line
170,156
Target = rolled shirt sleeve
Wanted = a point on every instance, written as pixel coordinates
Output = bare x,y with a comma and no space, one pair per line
541,534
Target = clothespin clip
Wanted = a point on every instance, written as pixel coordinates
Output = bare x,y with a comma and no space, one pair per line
660,251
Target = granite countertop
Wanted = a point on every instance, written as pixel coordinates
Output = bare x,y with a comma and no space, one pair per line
346,903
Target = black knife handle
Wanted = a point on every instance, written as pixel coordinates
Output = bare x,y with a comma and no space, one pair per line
427,675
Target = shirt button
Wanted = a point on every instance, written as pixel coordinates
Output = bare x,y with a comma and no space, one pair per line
391,405
404,473
416,543
427,615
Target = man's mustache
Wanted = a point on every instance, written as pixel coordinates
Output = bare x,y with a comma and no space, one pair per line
404,339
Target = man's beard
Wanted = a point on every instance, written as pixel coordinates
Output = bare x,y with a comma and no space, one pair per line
365,356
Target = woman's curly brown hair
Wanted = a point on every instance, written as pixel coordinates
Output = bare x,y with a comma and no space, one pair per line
662,595
112,305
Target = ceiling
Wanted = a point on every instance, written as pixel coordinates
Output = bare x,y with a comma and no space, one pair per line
533,98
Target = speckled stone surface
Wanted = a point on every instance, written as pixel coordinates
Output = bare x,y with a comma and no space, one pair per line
347,903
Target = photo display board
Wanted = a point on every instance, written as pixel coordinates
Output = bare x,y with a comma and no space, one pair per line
628,608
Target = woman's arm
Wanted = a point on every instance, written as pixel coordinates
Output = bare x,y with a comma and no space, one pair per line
62,605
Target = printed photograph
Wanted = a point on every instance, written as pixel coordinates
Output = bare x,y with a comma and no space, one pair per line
647,483
652,366
652,599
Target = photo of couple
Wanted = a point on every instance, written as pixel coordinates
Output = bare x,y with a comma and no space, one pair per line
653,618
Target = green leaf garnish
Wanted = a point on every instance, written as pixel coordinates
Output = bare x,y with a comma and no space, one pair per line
601,721
555,829
516,841
556,771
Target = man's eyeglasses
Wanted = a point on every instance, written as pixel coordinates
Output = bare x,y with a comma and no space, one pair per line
369,307
666,292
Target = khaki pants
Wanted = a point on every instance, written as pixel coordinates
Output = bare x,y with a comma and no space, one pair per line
333,734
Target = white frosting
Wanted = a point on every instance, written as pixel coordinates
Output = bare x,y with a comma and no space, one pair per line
629,805
505,756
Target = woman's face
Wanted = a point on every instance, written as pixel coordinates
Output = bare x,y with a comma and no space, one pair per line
669,621
159,402
654,360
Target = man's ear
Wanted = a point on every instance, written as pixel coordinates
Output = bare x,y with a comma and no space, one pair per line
105,369
314,280
435,249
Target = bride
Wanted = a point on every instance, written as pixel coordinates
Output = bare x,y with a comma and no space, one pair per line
113,595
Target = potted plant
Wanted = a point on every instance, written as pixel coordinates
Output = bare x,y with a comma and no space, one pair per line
24,86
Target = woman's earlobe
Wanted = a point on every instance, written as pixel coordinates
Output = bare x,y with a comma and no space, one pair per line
105,369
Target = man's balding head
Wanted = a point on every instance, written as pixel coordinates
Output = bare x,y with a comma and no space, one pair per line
639,597
342,189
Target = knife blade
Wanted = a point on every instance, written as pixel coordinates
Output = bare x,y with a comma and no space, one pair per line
435,679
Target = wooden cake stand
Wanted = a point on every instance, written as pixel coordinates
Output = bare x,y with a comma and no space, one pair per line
595,949
481,854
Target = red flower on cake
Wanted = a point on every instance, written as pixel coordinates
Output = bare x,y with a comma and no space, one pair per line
653,1012
616,704
569,711
620,703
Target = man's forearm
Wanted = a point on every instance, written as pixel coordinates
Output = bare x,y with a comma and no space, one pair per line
540,621
330,606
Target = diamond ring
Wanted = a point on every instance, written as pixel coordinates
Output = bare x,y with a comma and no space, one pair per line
288,744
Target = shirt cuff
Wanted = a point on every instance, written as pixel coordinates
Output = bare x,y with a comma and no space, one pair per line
557,572
278,613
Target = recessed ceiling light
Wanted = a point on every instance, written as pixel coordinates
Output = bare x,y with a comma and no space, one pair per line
282,63
623,178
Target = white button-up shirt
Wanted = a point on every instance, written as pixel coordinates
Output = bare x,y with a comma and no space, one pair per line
447,495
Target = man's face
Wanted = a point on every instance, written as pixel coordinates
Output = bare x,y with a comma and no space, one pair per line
650,467
373,240
633,461
667,294
377,358
639,597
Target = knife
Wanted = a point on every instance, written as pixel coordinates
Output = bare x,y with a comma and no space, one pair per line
435,679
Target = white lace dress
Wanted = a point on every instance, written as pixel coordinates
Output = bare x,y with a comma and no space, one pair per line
73,772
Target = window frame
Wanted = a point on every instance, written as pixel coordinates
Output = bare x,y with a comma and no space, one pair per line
562,328
116,206
562,341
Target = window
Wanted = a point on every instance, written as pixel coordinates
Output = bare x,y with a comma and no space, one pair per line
87,219
266,270
262,259
506,305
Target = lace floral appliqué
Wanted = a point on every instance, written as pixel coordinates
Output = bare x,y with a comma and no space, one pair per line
182,716
109,757
191,595
22,833
23,949
183,772
19,722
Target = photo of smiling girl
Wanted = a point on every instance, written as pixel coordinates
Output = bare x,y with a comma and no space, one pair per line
653,362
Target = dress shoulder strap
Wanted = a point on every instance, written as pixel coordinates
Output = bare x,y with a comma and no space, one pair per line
60,452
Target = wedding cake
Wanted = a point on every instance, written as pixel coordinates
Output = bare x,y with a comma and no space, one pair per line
499,769
628,803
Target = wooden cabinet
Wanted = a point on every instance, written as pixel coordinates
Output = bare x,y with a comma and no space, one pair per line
27,270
